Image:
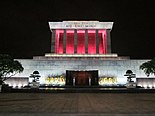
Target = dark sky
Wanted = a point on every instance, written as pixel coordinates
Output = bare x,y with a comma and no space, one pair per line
24,30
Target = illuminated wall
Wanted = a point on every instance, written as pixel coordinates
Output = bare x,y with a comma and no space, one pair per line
81,45
107,81
146,82
17,82
70,42
91,42
102,41
107,69
59,41
55,80
80,41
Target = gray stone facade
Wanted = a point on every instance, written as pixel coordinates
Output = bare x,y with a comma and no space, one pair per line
115,68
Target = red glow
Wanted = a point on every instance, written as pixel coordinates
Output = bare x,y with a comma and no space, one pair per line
104,42
102,39
91,42
80,42
91,31
59,42
70,31
101,43
102,31
81,31
70,42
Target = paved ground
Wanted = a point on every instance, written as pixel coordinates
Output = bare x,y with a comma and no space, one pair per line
69,104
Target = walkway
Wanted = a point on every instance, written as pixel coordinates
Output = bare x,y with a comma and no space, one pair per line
70,104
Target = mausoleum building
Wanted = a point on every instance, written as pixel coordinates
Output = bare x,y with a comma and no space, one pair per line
80,56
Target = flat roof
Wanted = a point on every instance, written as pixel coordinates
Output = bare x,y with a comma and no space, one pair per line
80,25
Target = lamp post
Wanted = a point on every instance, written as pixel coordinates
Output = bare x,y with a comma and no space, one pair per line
89,81
73,81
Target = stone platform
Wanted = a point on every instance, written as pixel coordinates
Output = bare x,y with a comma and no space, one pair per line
77,104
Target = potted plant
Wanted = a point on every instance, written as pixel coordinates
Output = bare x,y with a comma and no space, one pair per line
130,83
35,75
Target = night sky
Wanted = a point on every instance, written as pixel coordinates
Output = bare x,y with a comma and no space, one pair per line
24,30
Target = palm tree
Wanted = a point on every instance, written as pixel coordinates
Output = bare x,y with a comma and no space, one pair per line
148,67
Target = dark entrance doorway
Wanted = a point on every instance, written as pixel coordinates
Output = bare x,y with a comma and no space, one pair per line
82,78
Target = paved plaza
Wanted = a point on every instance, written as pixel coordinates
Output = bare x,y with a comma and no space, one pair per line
77,103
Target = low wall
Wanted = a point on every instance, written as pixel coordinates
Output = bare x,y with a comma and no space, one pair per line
146,82
17,81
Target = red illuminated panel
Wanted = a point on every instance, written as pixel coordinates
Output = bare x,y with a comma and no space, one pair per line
102,44
101,51
70,42
104,36
59,42
91,42
80,42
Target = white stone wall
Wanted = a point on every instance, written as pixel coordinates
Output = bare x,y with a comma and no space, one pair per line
17,82
105,67
146,82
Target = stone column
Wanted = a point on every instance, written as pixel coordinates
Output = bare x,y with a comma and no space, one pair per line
64,41
97,42
53,41
75,41
86,41
108,47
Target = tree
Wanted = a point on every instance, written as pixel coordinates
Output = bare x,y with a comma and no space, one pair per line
153,65
148,67
35,76
8,67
